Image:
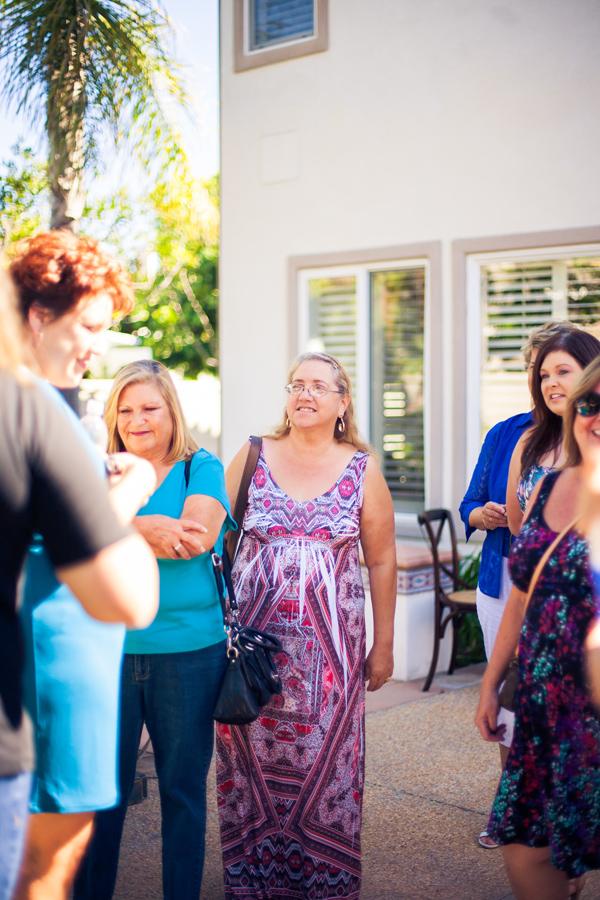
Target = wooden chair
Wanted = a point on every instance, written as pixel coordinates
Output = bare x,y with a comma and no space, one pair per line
450,606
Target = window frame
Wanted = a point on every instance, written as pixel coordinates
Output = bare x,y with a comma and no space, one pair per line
469,256
361,264
244,58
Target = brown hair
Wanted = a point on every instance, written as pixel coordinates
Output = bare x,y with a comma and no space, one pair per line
11,332
540,335
55,270
586,382
350,434
548,432
146,371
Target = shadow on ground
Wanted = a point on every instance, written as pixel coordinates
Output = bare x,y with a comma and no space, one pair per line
430,780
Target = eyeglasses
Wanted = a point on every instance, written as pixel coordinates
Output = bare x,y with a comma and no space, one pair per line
317,390
588,405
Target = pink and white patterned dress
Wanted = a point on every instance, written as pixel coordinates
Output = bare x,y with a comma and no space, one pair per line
290,784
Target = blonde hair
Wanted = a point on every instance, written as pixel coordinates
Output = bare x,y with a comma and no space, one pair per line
146,371
350,434
586,382
12,336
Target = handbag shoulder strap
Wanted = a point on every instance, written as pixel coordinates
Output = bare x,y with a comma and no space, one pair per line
186,471
232,537
545,557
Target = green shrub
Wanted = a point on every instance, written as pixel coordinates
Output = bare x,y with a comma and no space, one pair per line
470,638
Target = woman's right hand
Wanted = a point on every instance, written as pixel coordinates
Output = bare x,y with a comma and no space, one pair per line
493,515
486,717
172,538
131,481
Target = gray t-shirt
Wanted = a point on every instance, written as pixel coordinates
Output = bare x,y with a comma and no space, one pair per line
48,485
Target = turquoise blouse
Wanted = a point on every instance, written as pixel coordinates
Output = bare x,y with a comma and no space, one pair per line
189,615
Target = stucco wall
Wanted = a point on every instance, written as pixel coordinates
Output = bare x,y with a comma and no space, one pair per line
429,120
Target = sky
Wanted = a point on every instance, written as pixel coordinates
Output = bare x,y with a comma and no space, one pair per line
196,47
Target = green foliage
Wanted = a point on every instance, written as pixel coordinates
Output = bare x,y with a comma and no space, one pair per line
170,240
177,300
24,196
177,316
470,638
468,568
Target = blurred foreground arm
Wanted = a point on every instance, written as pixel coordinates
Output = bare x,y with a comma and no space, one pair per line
132,481
591,524
119,584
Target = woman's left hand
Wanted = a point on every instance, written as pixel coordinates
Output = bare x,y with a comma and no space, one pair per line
379,667
486,717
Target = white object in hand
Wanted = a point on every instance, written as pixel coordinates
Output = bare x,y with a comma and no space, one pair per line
95,425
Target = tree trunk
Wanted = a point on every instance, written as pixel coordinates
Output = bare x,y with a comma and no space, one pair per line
66,160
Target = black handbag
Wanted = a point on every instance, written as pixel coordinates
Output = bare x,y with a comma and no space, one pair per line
506,696
251,677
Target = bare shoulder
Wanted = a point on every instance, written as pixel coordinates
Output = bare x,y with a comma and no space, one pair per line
517,454
239,460
375,486
373,473
234,472
518,451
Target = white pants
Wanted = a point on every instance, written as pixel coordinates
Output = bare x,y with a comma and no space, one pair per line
489,611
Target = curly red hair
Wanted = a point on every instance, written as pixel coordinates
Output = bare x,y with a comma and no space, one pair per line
55,270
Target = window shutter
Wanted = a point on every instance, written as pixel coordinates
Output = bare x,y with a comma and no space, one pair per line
332,320
278,21
583,291
518,297
397,332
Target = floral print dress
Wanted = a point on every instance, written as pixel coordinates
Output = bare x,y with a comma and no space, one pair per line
528,481
549,792
290,784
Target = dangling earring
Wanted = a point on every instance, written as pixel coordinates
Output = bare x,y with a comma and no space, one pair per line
341,424
288,424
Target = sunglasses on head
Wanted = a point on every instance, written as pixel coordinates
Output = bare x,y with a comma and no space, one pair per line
588,405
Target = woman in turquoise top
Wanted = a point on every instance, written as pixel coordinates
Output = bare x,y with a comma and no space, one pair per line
172,670
68,290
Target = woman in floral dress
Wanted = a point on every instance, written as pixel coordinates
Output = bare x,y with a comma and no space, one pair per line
547,808
290,784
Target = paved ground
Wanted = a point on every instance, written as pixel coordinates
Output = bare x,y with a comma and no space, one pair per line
430,781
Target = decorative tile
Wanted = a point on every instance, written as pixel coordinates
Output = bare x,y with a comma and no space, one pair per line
411,581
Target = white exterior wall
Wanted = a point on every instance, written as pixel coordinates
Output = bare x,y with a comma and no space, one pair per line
423,121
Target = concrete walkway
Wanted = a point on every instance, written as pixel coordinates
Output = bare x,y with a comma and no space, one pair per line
430,781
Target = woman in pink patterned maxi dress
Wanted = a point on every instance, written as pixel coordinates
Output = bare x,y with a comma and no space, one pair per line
290,784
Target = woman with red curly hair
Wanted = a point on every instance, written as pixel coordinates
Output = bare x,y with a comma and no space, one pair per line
69,290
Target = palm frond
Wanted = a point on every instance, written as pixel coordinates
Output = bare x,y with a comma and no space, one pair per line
95,63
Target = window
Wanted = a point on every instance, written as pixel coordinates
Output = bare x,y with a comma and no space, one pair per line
269,31
516,297
280,21
372,318
397,341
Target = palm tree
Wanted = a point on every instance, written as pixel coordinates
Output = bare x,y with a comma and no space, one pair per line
88,65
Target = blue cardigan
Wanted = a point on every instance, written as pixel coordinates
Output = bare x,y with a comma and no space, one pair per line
489,482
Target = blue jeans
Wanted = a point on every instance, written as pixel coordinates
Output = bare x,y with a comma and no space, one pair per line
15,794
175,695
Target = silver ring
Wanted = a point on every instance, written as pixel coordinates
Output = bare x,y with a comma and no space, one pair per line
177,548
